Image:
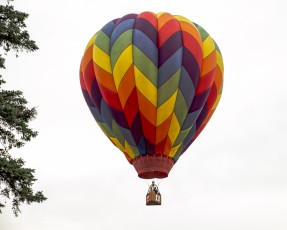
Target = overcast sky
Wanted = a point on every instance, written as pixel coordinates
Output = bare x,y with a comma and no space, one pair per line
234,176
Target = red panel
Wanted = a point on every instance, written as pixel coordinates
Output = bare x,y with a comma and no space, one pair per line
190,43
89,76
211,97
167,30
111,98
150,17
131,108
149,129
205,82
160,147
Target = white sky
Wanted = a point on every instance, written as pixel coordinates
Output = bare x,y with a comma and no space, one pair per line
234,176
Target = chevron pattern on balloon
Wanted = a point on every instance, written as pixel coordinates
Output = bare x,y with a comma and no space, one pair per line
152,82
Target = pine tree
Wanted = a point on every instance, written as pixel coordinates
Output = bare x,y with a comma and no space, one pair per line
16,181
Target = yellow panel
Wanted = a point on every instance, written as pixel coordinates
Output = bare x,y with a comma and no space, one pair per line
122,65
129,151
208,46
174,129
183,19
173,151
117,143
159,14
216,102
219,61
91,42
145,87
100,124
102,59
165,110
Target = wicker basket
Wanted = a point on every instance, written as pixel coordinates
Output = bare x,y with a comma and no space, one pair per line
153,198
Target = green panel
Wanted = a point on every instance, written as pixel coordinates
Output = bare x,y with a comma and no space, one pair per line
135,150
106,129
103,42
145,65
118,133
180,108
216,46
181,136
123,41
177,154
168,88
203,33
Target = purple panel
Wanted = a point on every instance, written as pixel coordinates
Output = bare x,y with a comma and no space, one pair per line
171,45
141,147
87,98
202,116
126,17
198,101
150,148
96,95
147,28
119,117
191,66
109,27
136,128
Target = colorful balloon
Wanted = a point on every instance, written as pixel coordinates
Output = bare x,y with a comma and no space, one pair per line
152,82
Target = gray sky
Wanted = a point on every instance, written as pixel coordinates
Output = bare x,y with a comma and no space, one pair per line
234,176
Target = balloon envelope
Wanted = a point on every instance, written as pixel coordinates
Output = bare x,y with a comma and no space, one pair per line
152,82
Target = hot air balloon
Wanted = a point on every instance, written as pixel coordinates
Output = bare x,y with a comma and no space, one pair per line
152,82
